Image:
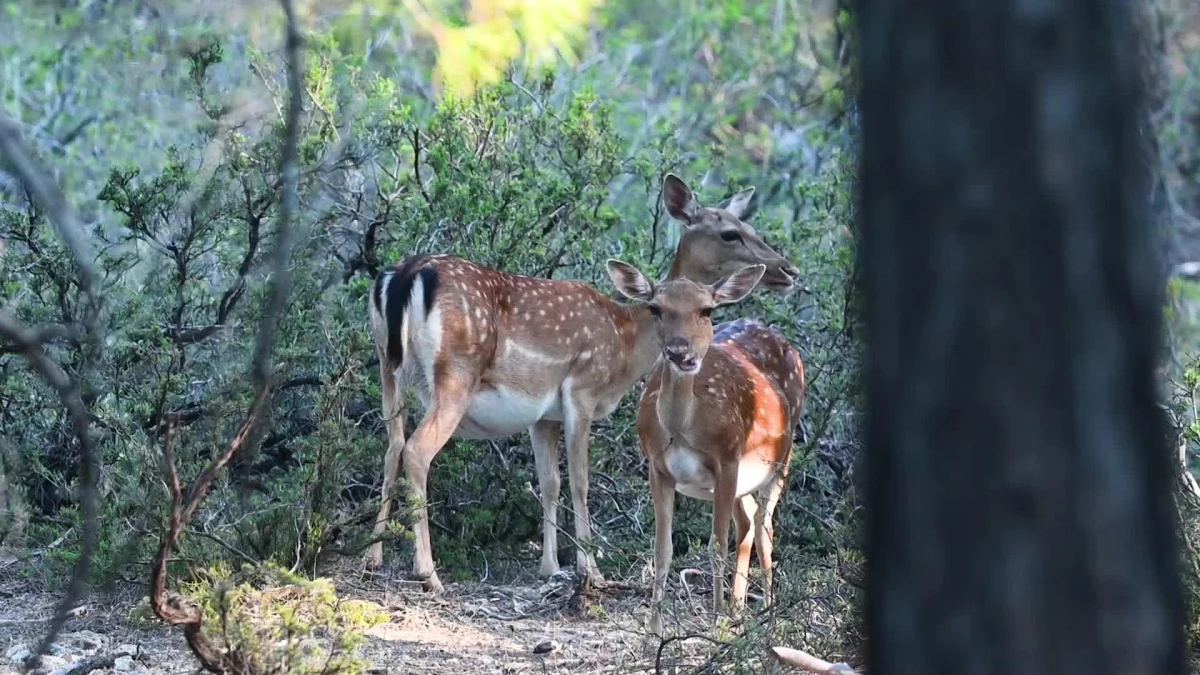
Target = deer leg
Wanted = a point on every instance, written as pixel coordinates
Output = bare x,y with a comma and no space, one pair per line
393,415
724,496
544,436
578,427
764,533
743,516
450,403
662,493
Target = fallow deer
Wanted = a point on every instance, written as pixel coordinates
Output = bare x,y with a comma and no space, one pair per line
715,421
490,353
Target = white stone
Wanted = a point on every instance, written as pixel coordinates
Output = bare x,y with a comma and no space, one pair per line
17,653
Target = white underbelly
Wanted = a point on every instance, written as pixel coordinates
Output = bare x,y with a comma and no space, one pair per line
693,479
500,412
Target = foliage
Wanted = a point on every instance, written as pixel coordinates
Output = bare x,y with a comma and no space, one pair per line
544,171
496,32
278,622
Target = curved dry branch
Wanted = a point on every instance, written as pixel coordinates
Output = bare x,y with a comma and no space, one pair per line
281,282
170,608
17,157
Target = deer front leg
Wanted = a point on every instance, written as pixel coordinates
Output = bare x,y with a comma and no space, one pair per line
544,436
440,422
578,428
723,497
393,415
744,517
662,494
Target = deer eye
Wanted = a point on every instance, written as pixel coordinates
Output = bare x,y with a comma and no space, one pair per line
706,312
654,311
731,235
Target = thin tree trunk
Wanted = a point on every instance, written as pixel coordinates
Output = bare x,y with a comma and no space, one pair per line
1018,473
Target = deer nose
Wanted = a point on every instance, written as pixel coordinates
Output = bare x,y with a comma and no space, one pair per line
676,348
791,270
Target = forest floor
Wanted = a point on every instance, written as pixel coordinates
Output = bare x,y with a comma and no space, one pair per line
470,629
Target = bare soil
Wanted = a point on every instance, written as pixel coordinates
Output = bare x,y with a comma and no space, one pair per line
470,629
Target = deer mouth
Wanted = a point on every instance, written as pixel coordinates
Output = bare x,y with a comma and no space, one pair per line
779,280
684,364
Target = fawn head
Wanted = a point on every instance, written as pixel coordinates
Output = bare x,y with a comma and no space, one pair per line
682,308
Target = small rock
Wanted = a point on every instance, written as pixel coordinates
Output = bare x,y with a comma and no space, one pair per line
86,640
17,653
127,649
545,647
50,663
124,664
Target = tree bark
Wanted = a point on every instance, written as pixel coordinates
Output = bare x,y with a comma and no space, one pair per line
1019,479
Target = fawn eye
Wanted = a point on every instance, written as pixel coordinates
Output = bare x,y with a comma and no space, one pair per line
654,311
731,235
706,312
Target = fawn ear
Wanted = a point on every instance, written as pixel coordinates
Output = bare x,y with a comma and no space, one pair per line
630,281
738,285
679,200
739,204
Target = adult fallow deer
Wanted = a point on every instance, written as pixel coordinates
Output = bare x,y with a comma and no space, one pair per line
490,353
715,420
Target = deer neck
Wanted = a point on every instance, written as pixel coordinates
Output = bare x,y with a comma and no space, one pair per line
676,400
683,265
642,342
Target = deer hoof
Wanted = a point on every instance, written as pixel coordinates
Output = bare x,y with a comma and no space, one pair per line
433,585
373,558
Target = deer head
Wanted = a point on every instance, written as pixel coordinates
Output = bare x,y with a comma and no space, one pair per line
716,243
682,308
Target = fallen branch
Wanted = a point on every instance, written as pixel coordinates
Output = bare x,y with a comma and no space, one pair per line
806,661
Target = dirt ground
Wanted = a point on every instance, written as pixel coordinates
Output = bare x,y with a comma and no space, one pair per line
471,629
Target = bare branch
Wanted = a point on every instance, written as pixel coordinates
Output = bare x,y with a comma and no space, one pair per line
281,281
38,183
173,609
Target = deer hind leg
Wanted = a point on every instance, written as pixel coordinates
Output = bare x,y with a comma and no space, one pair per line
744,518
544,436
764,532
579,428
393,415
451,397
662,493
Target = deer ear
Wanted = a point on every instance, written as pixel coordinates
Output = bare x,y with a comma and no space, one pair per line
678,198
738,285
739,204
630,281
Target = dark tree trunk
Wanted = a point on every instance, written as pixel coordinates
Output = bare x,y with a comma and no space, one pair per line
1018,473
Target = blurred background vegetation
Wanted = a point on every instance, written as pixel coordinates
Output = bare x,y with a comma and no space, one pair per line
530,140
